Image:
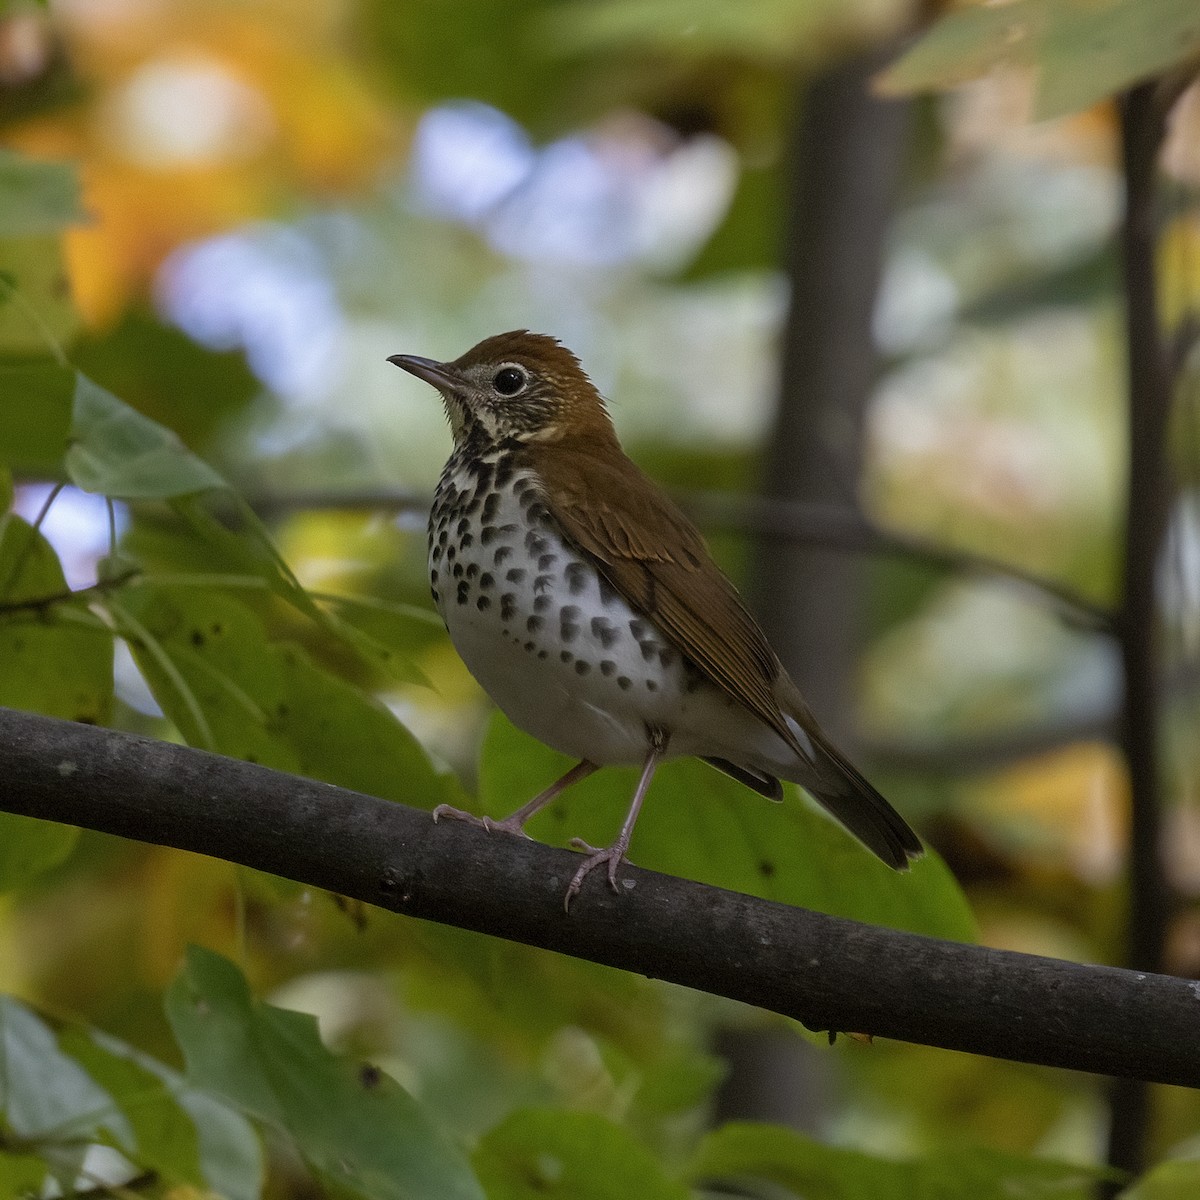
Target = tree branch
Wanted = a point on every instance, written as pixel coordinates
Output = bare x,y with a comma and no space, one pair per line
827,972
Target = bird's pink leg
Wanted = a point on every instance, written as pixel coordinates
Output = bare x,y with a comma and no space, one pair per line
615,854
514,823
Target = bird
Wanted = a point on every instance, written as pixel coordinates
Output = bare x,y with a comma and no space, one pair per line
588,607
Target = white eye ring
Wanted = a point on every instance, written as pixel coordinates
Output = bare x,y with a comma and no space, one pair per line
510,380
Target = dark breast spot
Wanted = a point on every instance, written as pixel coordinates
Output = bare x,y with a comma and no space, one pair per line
472,570
546,561
508,606
487,535
604,631
502,554
624,682
581,667
577,577
542,584
533,624
486,580
513,574
464,590
608,668
483,603
568,622
541,603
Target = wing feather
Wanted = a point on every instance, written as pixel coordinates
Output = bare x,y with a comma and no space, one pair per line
656,559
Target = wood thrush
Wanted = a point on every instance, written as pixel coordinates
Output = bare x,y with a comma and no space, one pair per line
589,609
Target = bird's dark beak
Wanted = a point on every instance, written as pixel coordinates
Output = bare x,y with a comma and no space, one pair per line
436,373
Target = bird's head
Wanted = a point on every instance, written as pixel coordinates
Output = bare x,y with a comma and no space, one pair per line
516,386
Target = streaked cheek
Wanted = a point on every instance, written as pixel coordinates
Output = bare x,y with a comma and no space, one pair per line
489,419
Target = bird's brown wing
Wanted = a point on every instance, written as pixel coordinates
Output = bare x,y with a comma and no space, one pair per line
655,557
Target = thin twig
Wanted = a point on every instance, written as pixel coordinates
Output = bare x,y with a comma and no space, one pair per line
838,528
832,526
68,595
827,972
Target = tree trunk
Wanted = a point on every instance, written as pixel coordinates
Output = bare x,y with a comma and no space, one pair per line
847,148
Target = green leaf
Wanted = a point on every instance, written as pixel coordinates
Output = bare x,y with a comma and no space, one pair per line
386,635
61,1091
248,548
51,664
21,1175
180,1133
28,847
742,1153
118,452
167,376
36,196
268,702
43,1091
356,1127
766,29
1082,53
435,51
35,415
1176,1179
37,315
345,736
701,825
544,1154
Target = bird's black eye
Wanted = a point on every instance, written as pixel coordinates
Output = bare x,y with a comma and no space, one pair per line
509,381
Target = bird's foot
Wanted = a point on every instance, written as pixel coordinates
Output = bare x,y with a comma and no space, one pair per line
614,856
508,825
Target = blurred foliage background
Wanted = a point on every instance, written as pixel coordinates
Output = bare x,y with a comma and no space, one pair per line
264,200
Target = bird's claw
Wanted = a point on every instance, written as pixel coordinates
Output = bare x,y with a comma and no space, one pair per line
613,855
488,823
